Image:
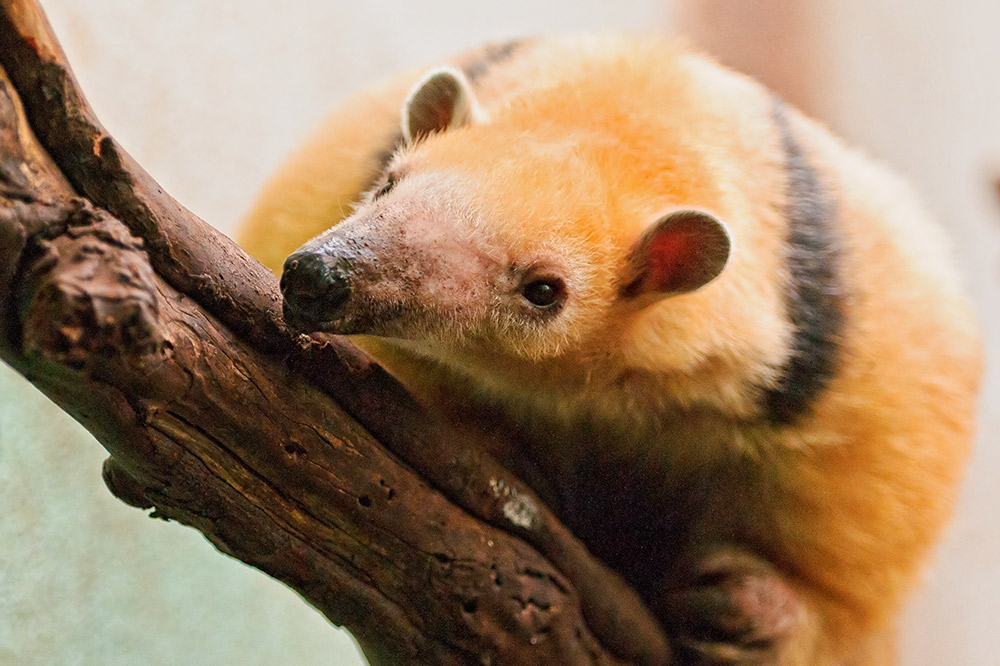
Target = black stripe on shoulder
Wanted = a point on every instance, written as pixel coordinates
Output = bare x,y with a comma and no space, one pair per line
492,54
813,293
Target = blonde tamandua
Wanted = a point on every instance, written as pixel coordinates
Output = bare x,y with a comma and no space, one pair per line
740,361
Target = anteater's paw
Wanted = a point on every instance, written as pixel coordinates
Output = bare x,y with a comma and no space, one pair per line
730,607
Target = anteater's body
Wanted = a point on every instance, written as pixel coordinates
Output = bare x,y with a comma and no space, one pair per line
733,347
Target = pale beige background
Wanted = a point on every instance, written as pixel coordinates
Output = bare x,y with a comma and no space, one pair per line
210,94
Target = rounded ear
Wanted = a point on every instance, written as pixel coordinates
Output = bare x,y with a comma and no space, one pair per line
681,252
442,99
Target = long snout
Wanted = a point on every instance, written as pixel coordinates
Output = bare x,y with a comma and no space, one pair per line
391,273
315,286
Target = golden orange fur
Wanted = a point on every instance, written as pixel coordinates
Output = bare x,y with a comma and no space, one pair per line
585,142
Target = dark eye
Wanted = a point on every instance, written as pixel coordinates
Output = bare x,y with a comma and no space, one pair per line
390,182
544,293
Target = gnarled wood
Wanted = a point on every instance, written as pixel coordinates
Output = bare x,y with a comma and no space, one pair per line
303,459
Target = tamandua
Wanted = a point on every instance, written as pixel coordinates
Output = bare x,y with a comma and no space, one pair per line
741,364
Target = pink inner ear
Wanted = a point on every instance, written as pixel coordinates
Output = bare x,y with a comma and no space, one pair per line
672,255
682,252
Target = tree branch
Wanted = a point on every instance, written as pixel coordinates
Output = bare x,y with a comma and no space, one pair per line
303,459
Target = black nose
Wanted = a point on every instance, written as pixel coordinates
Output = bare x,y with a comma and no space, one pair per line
314,287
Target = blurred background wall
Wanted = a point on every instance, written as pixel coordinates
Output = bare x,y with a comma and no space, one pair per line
209,95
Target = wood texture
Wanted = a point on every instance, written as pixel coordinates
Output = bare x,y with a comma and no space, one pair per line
301,458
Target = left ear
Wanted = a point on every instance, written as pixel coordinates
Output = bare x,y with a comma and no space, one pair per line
440,100
681,252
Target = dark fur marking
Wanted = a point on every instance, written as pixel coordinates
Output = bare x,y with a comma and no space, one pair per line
813,295
384,156
492,54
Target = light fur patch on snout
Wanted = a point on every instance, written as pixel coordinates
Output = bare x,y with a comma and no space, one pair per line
418,269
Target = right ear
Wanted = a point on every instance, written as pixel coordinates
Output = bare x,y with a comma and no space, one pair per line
440,100
681,252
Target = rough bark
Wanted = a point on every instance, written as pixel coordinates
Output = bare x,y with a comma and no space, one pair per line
301,458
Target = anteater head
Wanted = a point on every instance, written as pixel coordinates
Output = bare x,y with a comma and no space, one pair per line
507,235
